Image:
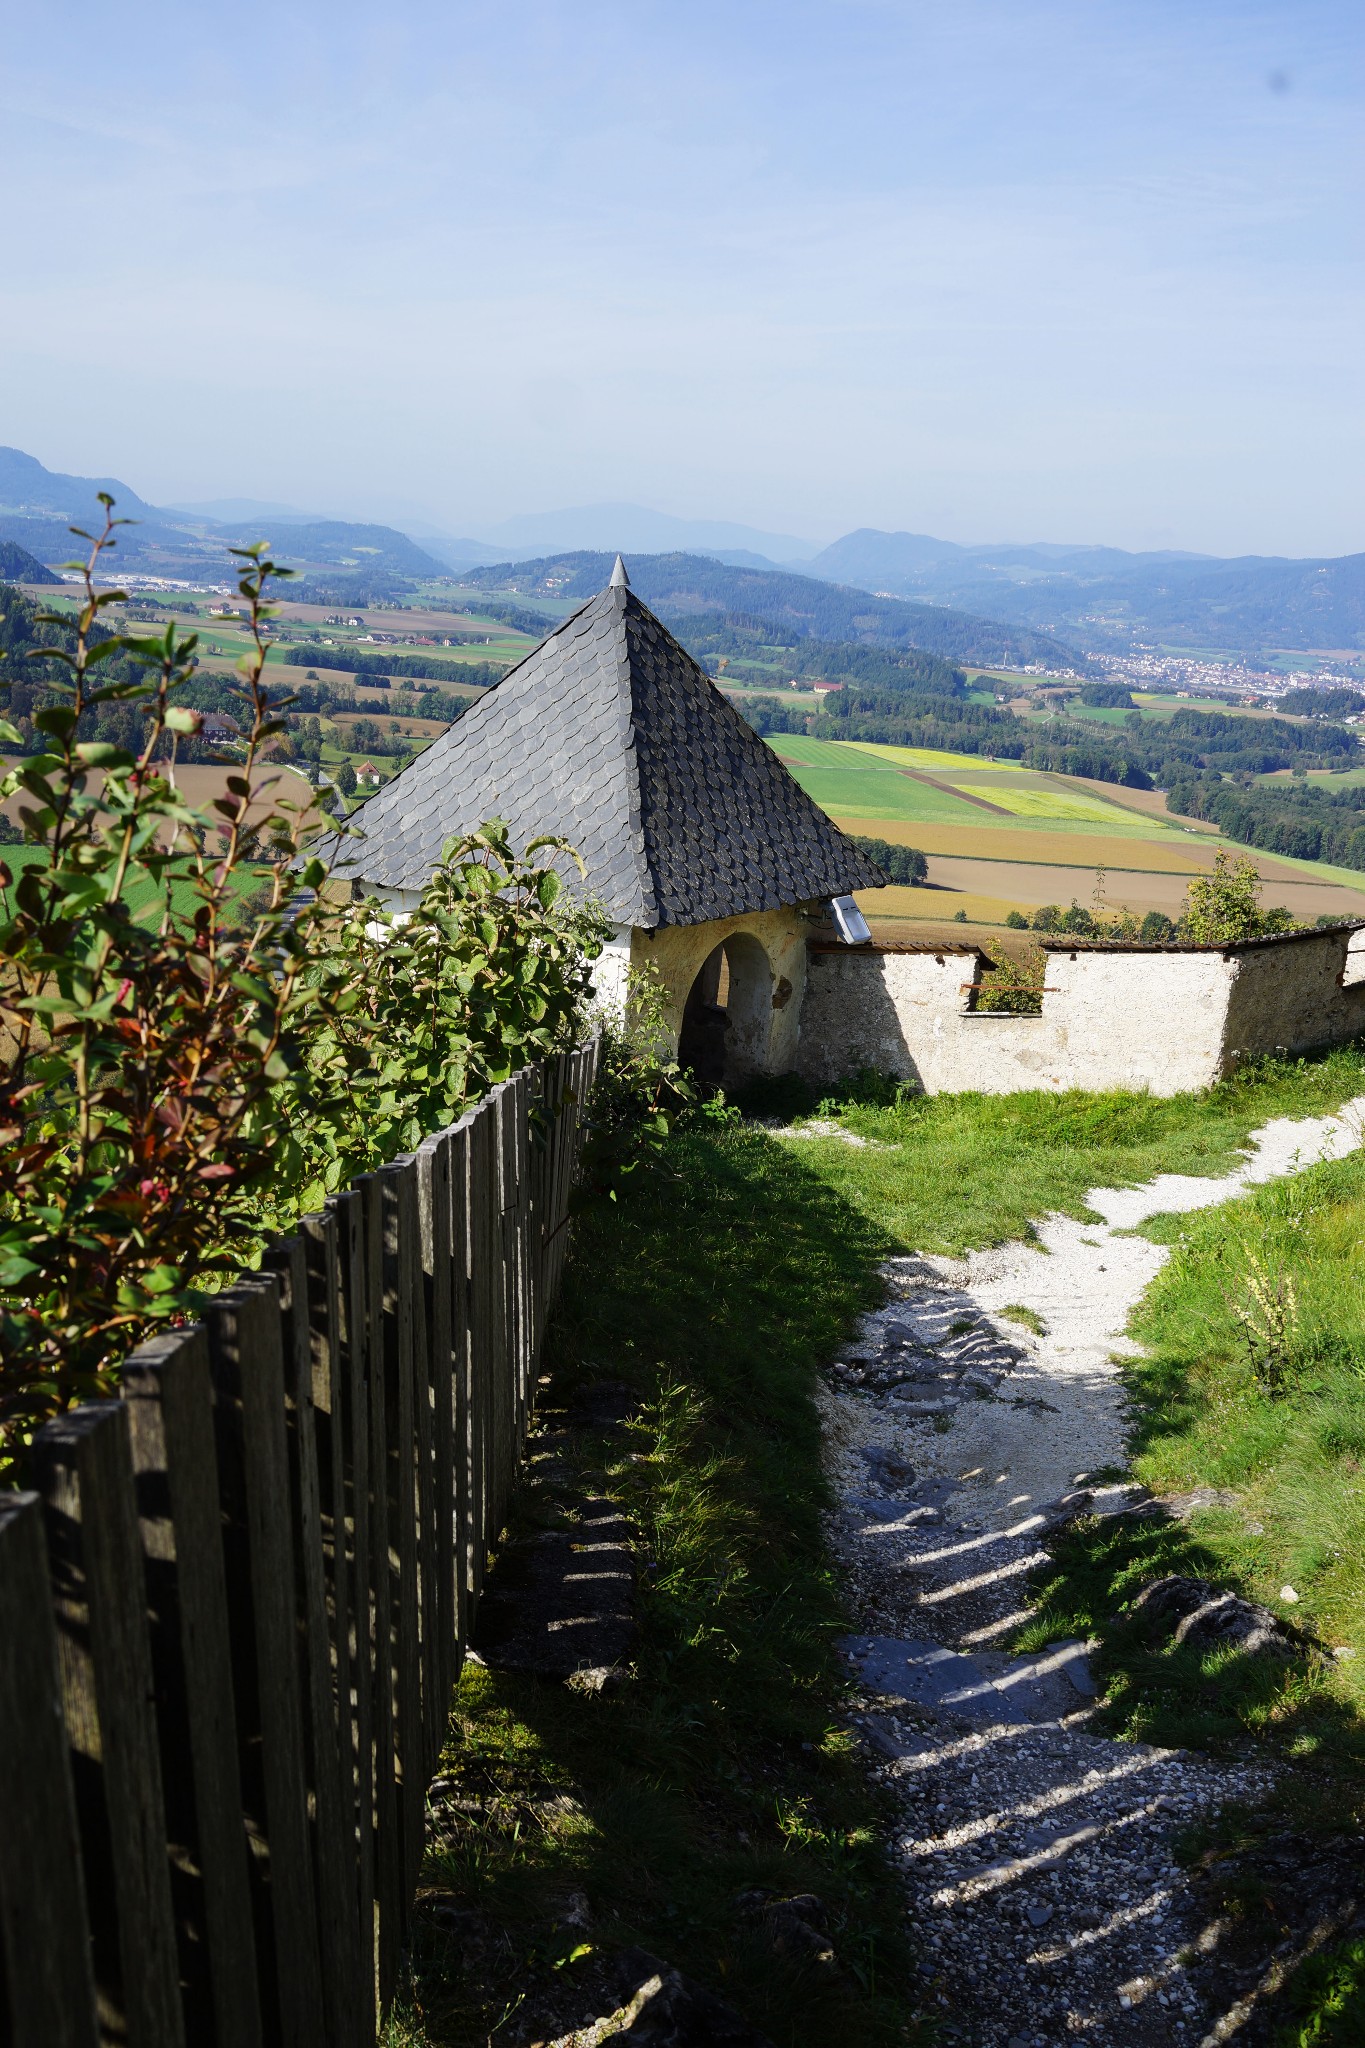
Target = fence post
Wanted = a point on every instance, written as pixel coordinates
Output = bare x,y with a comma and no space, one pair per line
351,1418
47,1992
402,1269
166,1389
83,1468
322,1768
440,1613
247,1361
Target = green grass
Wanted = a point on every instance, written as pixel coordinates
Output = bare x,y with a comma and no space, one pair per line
874,792
715,1288
1253,1382
951,1172
1328,2001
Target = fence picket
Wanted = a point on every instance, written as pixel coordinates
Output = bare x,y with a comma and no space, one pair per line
324,1261
166,1388
288,1261
482,1201
83,1468
388,1873
468,1477
357,1702
47,1993
440,1621
246,1352
402,1249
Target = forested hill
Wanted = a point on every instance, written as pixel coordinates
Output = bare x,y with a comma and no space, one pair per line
1105,597
679,587
17,565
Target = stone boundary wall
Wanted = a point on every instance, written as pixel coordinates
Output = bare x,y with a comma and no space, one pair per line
1163,1020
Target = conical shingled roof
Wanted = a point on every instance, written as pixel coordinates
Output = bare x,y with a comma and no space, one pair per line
611,736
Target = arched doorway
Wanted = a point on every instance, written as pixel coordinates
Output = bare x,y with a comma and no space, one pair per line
727,1018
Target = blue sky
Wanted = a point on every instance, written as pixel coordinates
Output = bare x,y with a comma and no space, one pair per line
1087,270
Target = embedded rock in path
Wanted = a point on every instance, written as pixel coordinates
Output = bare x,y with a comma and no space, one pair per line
561,1602
660,2008
603,1407
885,1463
1011,1692
793,1926
1209,1617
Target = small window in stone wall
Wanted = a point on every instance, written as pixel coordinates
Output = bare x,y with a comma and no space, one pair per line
1354,972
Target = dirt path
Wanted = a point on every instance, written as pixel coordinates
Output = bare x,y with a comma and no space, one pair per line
1037,1853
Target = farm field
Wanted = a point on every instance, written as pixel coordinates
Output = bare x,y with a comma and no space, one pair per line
1331,778
202,783
1000,837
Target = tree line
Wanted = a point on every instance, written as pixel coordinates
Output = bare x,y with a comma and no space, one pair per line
376,662
1301,821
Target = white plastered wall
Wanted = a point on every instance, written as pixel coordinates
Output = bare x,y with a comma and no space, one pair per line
1164,1022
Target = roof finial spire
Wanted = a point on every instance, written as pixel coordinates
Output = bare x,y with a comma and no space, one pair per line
619,578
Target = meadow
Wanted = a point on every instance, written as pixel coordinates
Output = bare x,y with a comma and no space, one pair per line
1001,837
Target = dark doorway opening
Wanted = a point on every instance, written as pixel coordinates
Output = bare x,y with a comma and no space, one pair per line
705,1022
728,1015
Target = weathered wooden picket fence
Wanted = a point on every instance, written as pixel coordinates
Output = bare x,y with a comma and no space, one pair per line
233,1609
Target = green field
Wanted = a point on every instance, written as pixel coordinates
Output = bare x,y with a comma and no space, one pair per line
868,781
992,830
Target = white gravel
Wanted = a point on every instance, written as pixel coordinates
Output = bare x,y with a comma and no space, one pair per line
1083,1282
1043,1891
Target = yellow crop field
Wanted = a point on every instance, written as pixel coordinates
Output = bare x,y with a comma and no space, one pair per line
1164,855
925,758
1042,803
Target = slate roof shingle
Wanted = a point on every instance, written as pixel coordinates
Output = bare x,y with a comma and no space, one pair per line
611,736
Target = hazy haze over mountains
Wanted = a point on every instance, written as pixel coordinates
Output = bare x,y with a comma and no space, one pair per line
1056,597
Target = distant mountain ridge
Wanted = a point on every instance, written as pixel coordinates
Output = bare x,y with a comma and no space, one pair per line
1044,600
683,587
638,529
1106,598
38,506
29,490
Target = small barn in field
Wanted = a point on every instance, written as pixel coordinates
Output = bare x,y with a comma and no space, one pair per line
709,858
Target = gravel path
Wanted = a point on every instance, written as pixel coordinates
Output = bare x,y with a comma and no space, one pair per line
1037,1853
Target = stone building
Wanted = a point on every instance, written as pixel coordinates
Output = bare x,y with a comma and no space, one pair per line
1113,1014
711,861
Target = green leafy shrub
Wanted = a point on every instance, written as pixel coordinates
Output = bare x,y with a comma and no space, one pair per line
640,1091
147,1033
196,1039
1014,986
414,1018
1225,906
